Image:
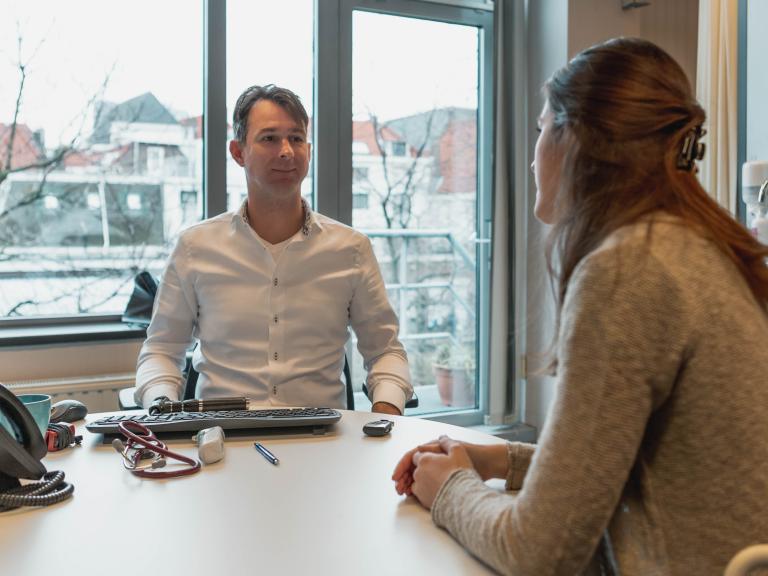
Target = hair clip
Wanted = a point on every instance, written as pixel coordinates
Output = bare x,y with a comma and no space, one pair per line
763,193
691,149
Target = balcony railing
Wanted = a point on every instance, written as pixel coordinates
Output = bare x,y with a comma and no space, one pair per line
426,341
403,285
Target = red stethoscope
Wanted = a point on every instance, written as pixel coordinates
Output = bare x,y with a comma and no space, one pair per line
142,444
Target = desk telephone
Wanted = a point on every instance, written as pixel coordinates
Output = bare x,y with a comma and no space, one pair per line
21,452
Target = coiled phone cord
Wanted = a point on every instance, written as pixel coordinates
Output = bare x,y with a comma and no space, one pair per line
51,489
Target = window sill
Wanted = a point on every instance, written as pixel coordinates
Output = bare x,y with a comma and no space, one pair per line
67,331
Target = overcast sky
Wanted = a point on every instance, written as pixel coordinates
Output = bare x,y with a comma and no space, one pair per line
401,66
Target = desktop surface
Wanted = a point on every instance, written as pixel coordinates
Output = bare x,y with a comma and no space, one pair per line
328,507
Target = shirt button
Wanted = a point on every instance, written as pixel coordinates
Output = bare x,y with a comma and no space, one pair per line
275,282
275,318
275,356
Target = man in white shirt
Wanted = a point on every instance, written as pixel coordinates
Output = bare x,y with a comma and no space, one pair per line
270,290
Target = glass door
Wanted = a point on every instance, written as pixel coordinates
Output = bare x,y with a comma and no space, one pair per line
417,184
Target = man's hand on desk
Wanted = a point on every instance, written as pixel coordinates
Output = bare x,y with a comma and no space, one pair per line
385,408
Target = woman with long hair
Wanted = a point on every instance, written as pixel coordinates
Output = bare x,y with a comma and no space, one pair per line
654,455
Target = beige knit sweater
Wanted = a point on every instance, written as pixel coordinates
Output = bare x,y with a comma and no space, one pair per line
659,428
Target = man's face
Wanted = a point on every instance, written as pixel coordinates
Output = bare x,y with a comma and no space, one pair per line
275,153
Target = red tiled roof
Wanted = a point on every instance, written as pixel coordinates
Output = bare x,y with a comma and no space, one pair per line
362,131
197,122
25,149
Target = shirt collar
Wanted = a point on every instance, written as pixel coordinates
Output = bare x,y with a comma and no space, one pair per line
311,221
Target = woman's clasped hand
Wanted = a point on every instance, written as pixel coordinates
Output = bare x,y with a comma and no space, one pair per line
424,469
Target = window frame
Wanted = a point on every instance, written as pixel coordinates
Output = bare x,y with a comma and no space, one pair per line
332,158
741,72
333,139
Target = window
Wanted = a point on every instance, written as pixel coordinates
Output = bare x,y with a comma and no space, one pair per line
155,158
132,173
189,209
397,148
133,201
98,114
359,200
94,200
416,155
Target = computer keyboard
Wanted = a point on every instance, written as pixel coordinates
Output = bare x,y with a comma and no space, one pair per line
315,418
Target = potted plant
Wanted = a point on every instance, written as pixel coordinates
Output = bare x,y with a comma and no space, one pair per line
454,369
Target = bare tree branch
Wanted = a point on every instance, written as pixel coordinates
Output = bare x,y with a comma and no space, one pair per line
396,198
33,192
20,92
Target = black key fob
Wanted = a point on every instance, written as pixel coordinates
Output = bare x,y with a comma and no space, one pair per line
378,427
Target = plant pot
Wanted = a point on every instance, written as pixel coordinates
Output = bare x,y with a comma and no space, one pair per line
444,381
454,386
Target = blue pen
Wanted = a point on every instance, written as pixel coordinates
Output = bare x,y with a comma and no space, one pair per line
266,453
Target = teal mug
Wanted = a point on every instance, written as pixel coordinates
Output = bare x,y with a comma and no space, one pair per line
39,405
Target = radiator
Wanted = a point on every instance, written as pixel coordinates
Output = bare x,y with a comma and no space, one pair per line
98,393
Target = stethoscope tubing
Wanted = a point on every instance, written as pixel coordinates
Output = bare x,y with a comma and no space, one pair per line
149,442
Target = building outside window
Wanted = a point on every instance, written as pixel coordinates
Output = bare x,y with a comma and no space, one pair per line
94,149
101,190
416,159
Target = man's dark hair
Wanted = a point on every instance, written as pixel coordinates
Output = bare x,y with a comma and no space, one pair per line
281,96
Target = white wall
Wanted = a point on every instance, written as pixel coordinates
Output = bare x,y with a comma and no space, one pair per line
547,51
672,24
67,360
557,31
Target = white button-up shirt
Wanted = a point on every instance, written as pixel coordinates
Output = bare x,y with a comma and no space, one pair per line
272,330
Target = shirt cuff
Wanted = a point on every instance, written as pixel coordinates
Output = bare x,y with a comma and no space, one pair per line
149,394
390,393
442,507
519,460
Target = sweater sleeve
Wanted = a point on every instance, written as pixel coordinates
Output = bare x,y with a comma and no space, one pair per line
619,349
519,456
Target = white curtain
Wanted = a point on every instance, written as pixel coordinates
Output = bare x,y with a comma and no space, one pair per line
716,89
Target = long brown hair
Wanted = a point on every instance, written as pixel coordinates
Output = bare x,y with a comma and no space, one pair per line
626,107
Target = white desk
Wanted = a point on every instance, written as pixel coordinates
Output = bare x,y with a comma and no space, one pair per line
329,507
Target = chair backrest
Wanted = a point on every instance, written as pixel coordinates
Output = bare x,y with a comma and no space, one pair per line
190,385
348,385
